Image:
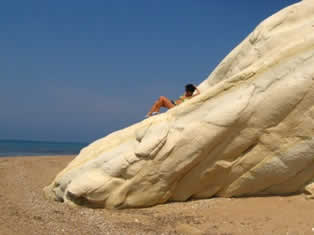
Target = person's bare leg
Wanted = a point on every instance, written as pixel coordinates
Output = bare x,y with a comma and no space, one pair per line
161,102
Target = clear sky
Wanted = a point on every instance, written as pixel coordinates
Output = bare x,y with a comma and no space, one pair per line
78,70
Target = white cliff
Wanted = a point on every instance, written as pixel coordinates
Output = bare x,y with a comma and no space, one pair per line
250,132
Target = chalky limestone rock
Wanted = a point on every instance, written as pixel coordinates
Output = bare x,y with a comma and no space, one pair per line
250,132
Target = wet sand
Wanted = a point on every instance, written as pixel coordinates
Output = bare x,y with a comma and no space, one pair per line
25,211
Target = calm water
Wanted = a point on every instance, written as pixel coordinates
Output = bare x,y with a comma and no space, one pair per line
36,148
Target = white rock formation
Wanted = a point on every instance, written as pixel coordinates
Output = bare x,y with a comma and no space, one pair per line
250,132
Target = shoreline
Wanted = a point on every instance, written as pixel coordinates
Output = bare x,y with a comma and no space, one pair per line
26,211
38,156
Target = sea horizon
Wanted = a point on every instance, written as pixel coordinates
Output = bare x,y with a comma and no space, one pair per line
22,147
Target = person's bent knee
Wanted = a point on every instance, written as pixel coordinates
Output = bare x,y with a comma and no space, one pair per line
162,98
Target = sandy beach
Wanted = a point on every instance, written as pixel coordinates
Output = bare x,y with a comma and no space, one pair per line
24,210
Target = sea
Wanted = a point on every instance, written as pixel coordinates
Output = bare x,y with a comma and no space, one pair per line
15,148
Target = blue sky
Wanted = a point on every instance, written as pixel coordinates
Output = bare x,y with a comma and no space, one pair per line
78,70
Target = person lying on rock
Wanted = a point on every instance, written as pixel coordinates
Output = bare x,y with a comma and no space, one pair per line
166,103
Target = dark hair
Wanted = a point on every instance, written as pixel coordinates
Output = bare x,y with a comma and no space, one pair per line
190,88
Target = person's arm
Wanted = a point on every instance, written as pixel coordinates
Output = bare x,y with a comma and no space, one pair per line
197,91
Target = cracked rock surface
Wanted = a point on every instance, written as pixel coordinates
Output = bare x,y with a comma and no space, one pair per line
250,132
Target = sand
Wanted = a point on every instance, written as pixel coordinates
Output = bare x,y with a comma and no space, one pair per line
25,211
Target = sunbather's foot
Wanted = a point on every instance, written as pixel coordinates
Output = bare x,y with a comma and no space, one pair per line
152,114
